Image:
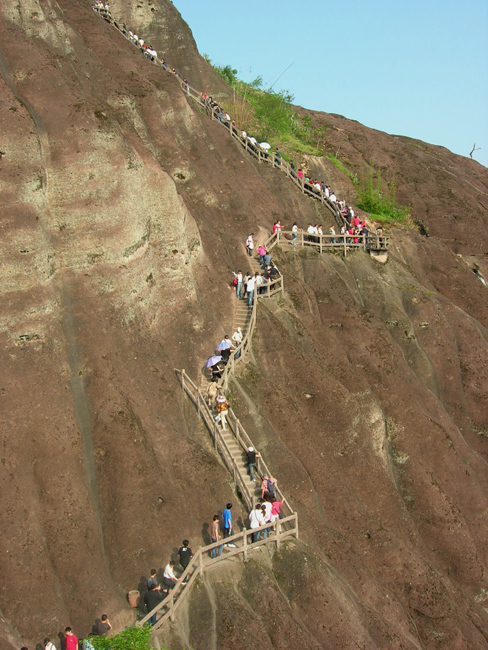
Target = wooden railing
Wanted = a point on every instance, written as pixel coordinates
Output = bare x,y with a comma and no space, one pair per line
237,355
215,430
286,527
259,154
322,243
241,437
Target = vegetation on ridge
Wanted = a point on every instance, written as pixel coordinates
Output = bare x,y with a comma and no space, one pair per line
269,115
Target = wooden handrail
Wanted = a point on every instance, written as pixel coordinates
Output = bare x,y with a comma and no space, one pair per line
285,527
329,242
216,432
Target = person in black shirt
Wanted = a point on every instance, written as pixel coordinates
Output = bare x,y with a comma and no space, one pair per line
152,597
251,461
152,580
185,554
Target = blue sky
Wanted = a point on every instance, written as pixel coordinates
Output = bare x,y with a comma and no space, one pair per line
417,68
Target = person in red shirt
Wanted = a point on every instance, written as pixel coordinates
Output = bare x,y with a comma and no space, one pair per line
71,640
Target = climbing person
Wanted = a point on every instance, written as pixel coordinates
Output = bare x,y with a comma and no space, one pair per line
275,512
267,485
266,510
152,598
152,580
215,536
212,392
238,277
227,515
222,410
48,644
217,369
169,578
250,244
294,234
251,284
225,348
251,461
255,521
185,554
237,340
104,626
71,640
261,253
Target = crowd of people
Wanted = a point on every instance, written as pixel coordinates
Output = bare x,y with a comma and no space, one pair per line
69,640
262,148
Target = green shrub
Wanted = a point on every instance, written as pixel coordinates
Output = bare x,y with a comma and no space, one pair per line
132,638
377,196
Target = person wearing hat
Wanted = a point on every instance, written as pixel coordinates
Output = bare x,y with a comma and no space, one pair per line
237,340
222,409
251,461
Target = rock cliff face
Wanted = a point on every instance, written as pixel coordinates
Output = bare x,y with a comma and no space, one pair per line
123,214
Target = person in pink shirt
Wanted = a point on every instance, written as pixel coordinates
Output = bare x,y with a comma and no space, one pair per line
261,253
71,640
275,512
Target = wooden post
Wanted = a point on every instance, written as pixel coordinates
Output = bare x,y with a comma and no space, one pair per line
278,534
321,237
171,606
200,563
296,525
183,379
198,403
345,244
245,542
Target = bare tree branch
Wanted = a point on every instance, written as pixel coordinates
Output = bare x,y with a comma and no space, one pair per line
473,150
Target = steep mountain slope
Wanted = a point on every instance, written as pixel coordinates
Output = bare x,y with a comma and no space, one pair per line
124,210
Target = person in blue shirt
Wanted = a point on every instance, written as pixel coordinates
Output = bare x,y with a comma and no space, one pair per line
228,523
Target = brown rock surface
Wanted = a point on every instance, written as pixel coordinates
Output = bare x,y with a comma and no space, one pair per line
123,213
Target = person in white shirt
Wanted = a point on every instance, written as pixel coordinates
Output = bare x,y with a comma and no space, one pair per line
250,244
266,510
256,519
169,578
238,277
294,232
311,232
333,197
251,284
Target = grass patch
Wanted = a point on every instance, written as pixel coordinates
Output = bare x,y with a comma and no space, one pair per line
269,115
342,167
377,197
